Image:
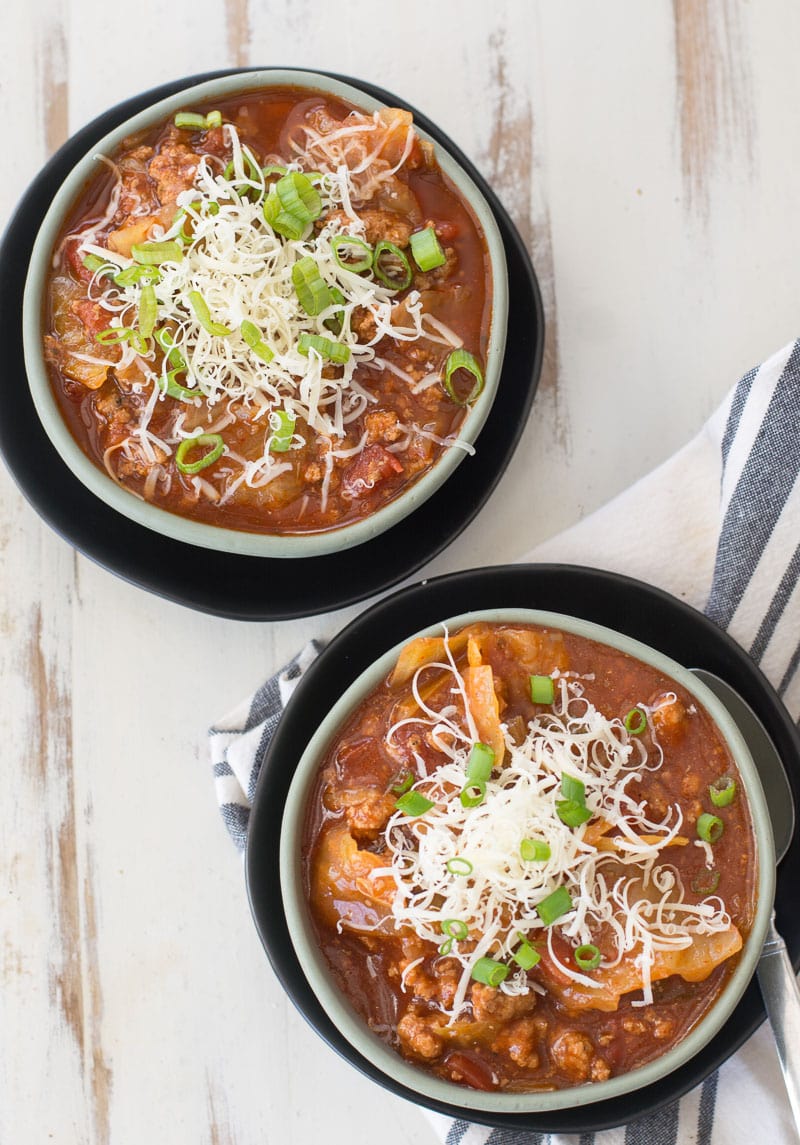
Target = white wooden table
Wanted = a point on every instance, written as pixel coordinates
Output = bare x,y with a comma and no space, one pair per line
647,152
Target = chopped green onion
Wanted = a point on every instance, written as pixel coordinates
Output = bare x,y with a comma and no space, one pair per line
333,351
480,763
203,315
252,336
635,721
391,266
216,449
138,342
722,791
405,783
282,222
282,431
351,253
96,264
446,947
167,344
274,169
133,275
489,971
525,955
191,120
252,172
455,928
112,335
426,250
148,309
572,788
571,812
588,957
473,795
543,689
705,883
299,197
214,119
336,320
153,254
462,360
710,828
534,851
554,906
174,389
311,288
413,803
459,866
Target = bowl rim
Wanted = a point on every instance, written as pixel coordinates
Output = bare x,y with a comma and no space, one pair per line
218,537
352,1026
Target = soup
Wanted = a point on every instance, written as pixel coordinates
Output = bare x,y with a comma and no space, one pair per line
528,859
270,315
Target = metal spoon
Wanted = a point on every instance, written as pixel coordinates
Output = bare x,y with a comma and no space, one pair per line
776,976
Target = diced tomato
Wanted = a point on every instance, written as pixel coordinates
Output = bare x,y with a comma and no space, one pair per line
373,465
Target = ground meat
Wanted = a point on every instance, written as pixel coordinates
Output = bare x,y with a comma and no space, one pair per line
137,464
367,817
137,196
489,1004
363,325
93,316
173,170
574,1053
383,425
373,465
669,718
417,1037
112,406
385,225
518,1042
440,986
215,142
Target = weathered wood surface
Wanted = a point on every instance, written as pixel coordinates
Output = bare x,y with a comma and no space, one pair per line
647,153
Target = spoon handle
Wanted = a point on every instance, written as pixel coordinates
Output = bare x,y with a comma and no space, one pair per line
782,1001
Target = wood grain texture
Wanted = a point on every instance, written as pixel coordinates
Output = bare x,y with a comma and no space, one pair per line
237,16
715,103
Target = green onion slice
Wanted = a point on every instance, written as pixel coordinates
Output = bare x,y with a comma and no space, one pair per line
282,222
413,804
635,721
112,335
98,265
273,169
480,763
190,120
405,783
722,791
214,119
455,928
462,360
252,336
333,351
153,254
572,788
459,866
446,947
282,431
203,315
216,447
391,266
525,955
174,389
588,957
351,253
543,689
489,971
165,340
426,250
554,906
534,851
571,812
473,795
311,288
710,828
299,197
133,275
148,309
252,170
705,883
336,320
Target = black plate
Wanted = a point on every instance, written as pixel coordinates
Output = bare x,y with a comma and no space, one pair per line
627,605
244,587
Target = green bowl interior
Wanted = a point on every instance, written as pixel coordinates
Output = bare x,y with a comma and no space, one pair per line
194,532
345,1017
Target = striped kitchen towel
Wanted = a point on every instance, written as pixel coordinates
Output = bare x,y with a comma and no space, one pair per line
718,525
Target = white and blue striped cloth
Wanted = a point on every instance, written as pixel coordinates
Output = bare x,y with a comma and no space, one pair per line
718,525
